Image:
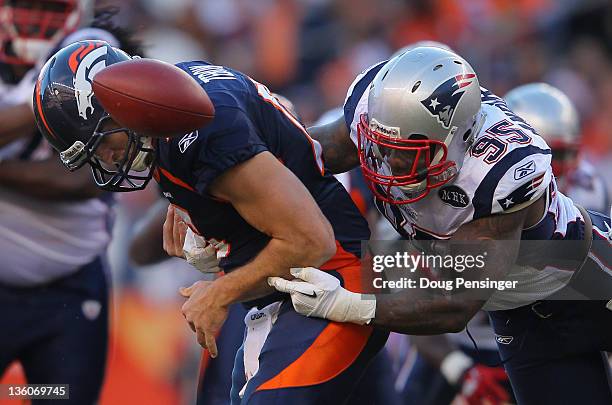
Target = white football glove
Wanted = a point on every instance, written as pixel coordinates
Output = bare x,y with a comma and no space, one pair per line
200,254
319,294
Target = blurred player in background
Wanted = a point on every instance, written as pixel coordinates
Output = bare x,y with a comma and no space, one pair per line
253,184
54,228
554,117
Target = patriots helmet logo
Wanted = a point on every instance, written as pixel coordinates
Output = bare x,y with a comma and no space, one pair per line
444,99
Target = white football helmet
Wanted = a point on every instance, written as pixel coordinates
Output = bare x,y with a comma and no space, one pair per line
423,106
552,114
29,29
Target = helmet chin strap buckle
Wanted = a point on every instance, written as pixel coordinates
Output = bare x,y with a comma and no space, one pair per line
74,157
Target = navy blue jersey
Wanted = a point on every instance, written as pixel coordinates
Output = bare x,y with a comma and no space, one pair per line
248,120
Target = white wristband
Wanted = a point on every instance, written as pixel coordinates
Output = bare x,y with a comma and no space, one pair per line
454,365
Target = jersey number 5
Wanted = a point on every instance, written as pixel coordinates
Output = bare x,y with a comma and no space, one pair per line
496,139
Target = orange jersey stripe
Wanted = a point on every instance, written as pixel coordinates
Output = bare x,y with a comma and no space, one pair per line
175,179
349,267
332,352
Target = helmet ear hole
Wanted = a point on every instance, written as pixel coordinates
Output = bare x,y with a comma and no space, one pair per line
467,135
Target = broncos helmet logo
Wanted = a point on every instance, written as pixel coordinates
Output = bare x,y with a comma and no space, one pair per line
444,99
85,62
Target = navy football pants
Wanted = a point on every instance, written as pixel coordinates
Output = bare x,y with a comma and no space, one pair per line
308,361
376,386
555,349
59,332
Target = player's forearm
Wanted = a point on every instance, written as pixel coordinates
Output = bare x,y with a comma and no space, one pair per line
47,180
276,259
406,312
15,122
339,152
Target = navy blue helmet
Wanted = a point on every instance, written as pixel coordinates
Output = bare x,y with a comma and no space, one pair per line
73,121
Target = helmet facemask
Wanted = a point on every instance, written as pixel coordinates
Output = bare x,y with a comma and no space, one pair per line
564,157
30,30
132,172
426,161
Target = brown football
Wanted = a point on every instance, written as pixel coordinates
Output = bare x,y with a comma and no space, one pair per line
153,98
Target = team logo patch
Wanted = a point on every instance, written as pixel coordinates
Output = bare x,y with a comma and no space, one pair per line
187,140
504,340
85,62
454,196
524,170
445,98
91,309
522,194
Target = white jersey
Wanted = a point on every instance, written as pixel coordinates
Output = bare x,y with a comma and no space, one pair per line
507,168
41,241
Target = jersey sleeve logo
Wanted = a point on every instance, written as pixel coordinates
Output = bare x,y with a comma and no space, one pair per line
524,170
522,194
187,140
444,99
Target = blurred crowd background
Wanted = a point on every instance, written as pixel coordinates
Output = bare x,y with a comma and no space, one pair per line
310,51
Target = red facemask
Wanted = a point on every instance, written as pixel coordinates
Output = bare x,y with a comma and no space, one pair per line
374,150
564,157
29,23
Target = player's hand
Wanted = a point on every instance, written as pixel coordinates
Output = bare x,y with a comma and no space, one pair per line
316,293
203,313
201,254
174,232
482,384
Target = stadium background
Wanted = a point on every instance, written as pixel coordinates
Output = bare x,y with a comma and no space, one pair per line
310,51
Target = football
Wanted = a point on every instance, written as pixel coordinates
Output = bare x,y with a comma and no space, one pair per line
152,98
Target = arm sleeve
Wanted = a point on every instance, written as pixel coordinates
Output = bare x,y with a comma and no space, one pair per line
231,139
516,181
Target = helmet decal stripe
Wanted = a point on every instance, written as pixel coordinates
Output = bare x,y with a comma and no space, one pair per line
77,56
40,110
464,80
72,61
